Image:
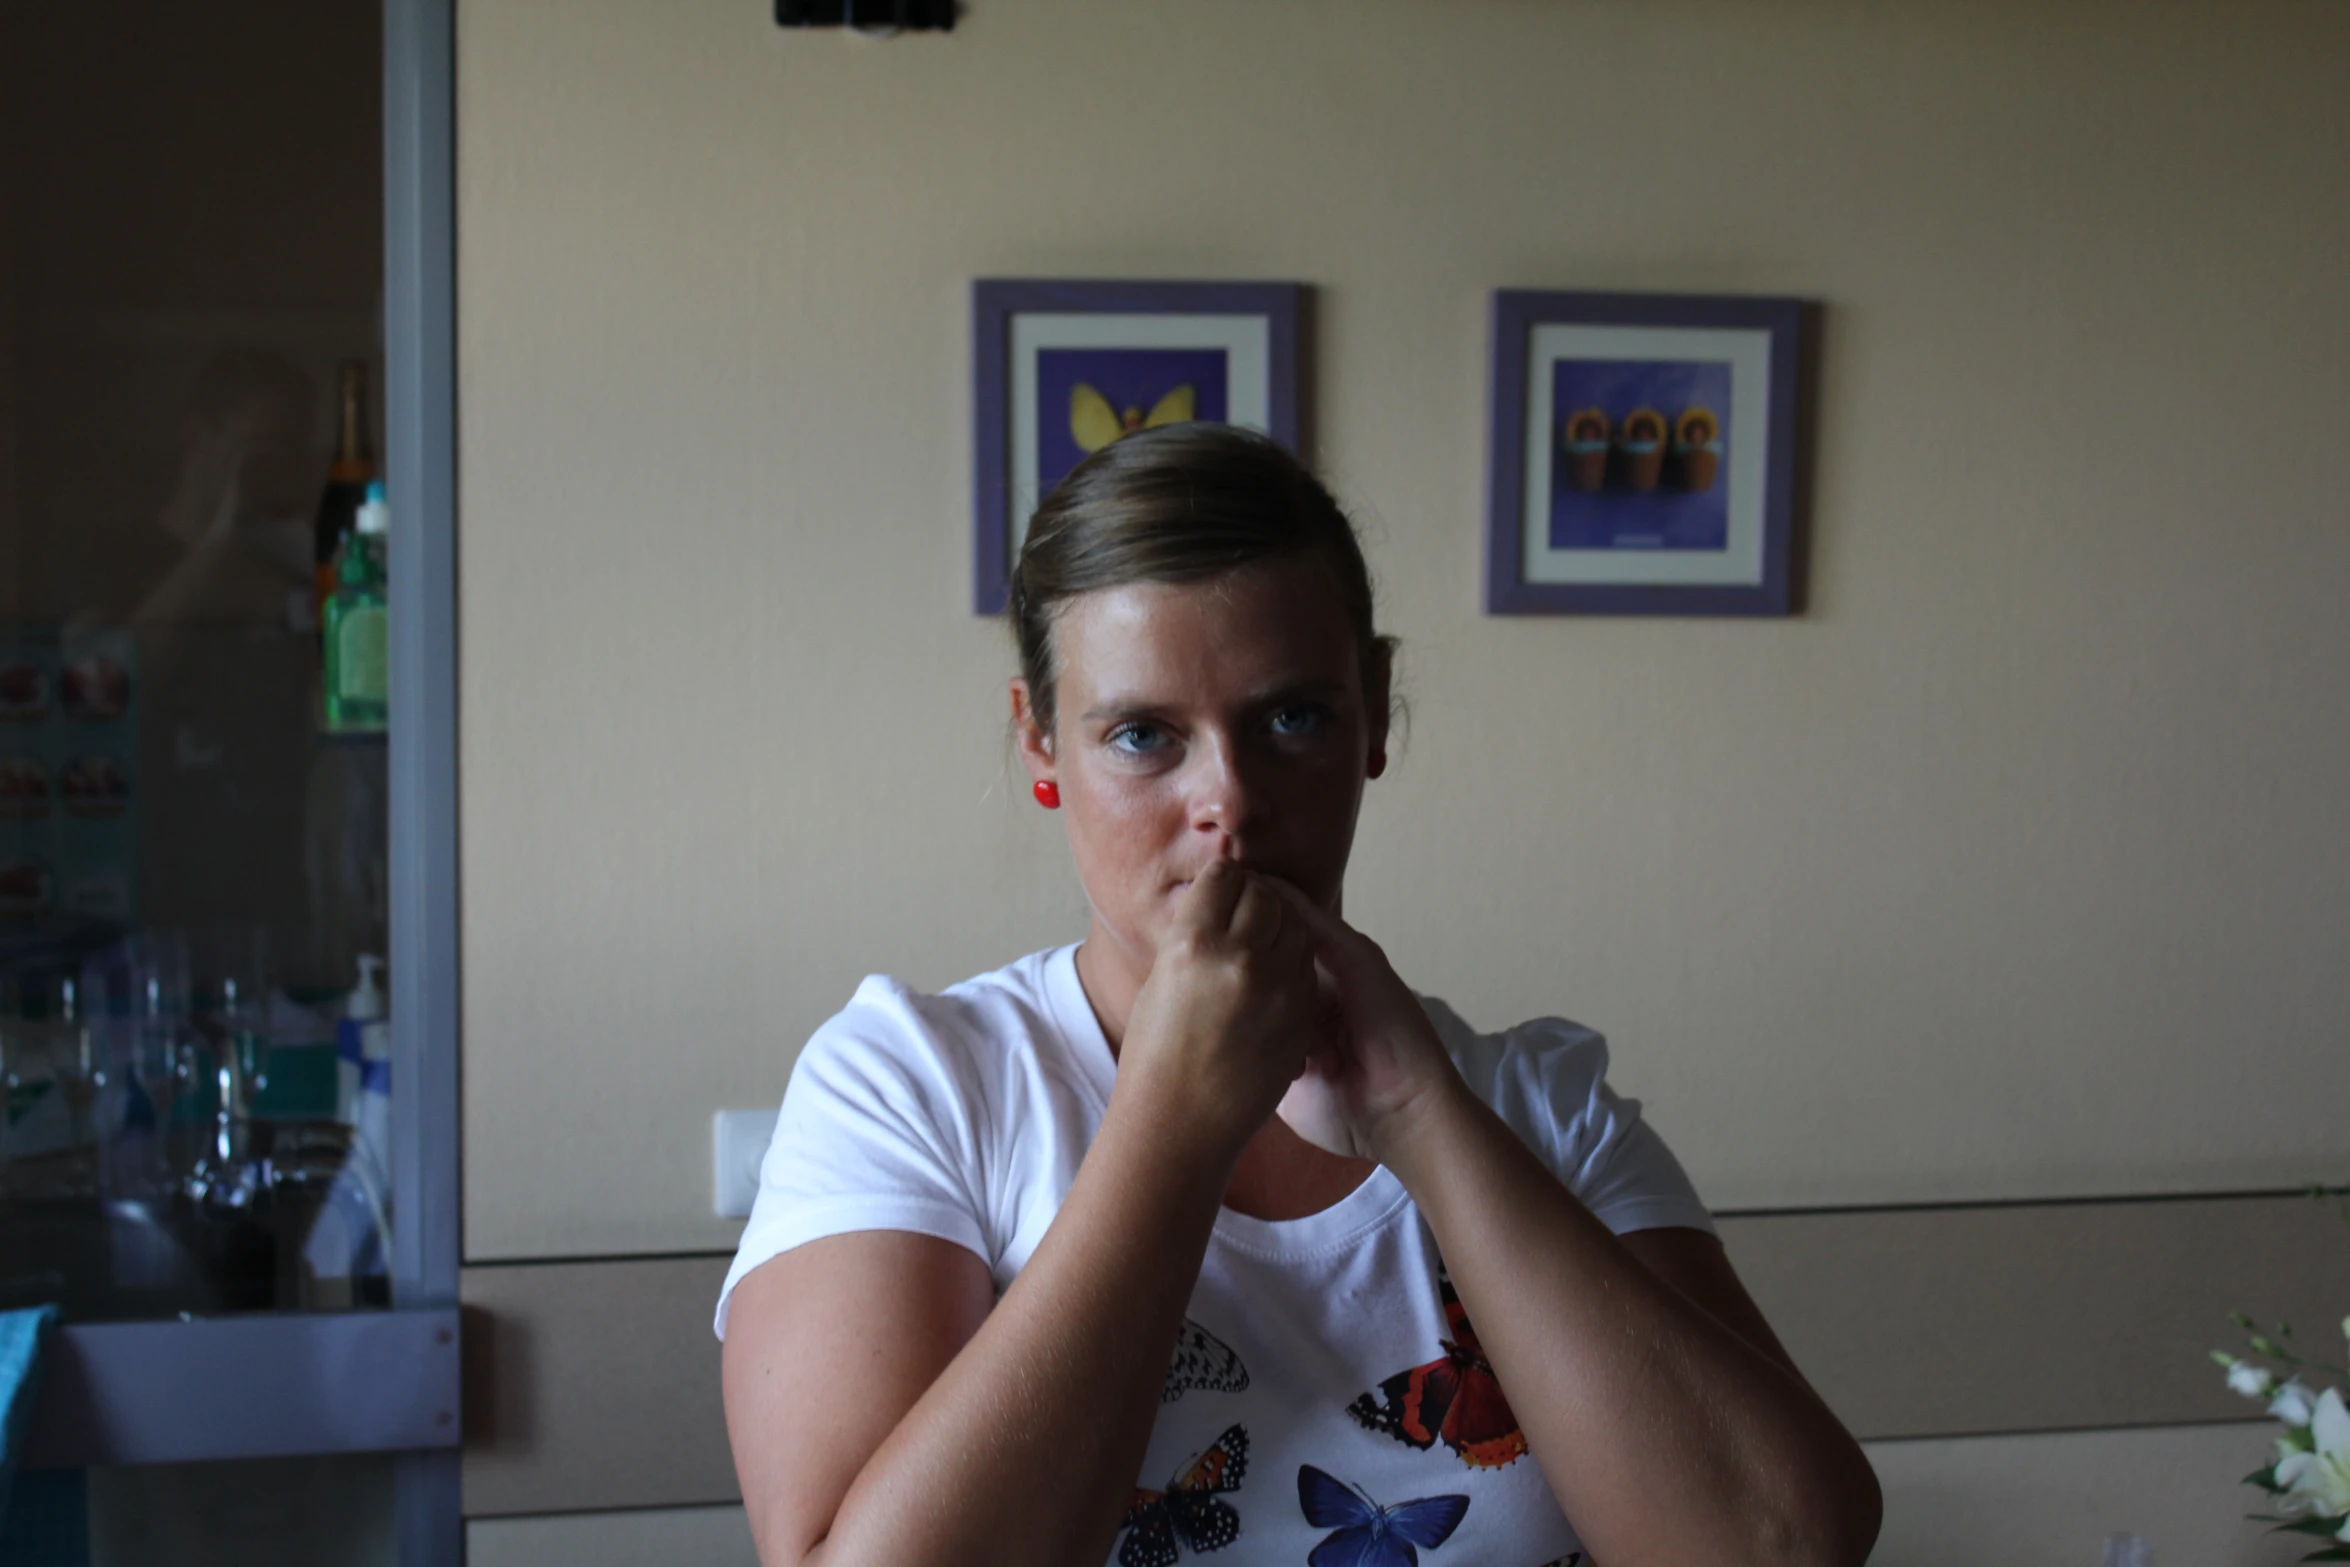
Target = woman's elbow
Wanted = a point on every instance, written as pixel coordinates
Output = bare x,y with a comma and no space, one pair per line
1838,1523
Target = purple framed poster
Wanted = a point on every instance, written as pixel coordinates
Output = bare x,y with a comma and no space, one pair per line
1643,453
1062,369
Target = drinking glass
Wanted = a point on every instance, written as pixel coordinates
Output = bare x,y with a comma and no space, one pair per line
232,986
77,1066
231,967
162,1054
12,1063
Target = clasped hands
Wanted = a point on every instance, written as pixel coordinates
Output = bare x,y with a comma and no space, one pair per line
1259,1001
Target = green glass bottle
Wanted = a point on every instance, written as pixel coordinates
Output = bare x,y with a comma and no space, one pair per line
358,651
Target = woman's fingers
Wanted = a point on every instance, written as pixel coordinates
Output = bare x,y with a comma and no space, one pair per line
1258,916
1229,1008
1326,926
1344,951
1215,892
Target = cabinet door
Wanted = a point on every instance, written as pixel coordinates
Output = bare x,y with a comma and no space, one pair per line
217,1165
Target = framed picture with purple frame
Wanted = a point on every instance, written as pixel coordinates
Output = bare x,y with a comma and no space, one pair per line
1643,454
1063,368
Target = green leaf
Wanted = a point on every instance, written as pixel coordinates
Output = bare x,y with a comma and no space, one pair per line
2323,1528
2332,1553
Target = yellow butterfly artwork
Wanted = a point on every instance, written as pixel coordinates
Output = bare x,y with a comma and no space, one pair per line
1094,423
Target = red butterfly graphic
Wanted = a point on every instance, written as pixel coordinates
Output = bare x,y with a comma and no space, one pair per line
1188,1509
1456,1398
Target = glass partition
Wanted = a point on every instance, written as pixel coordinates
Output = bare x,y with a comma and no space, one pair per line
195,1086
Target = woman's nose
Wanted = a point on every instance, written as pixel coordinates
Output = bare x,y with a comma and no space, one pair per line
1222,798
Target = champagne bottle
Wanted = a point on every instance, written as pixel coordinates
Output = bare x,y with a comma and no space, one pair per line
346,483
357,627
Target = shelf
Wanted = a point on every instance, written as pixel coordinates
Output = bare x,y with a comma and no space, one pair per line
261,1386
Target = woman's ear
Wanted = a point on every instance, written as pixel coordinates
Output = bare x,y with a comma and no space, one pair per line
1378,708
1030,734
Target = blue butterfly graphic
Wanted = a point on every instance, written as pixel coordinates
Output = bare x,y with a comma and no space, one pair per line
1369,1535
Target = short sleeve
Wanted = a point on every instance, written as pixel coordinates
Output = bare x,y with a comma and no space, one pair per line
1548,1080
877,1132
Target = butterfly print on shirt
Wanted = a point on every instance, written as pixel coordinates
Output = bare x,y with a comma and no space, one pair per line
1188,1510
1204,1361
1368,1535
1455,1399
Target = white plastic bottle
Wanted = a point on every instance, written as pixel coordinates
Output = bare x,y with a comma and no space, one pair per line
365,1007
349,1242
373,1123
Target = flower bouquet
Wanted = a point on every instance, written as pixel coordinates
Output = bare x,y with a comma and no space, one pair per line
2309,1482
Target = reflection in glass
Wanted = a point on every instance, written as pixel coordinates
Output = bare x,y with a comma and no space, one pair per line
192,863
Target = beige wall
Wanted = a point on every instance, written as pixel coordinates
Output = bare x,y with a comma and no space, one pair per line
2019,865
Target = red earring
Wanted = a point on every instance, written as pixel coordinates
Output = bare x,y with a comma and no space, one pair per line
1048,794
1376,765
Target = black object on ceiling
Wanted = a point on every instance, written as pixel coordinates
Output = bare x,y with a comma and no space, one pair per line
869,16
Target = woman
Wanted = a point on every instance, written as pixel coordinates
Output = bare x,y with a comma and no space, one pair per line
1208,1234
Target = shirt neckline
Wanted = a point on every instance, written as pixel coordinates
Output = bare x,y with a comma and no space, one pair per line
1343,1223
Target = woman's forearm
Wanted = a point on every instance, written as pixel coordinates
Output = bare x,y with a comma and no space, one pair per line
1026,1448
1666,1438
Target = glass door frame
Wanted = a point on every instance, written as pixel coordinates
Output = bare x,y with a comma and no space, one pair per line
420,413
270,1385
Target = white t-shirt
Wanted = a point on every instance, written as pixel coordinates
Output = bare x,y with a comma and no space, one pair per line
1325,1382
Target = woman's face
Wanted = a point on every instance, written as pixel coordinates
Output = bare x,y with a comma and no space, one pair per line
1219,718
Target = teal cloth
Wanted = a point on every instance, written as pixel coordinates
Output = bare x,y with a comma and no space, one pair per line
21,1333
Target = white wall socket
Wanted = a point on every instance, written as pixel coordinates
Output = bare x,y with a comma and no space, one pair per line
738,1141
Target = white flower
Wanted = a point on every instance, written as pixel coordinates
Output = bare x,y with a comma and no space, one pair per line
2250,1380
2293,1404
2343,1534
2317,1483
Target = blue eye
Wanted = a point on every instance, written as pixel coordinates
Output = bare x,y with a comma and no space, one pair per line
1306,718
1136,739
